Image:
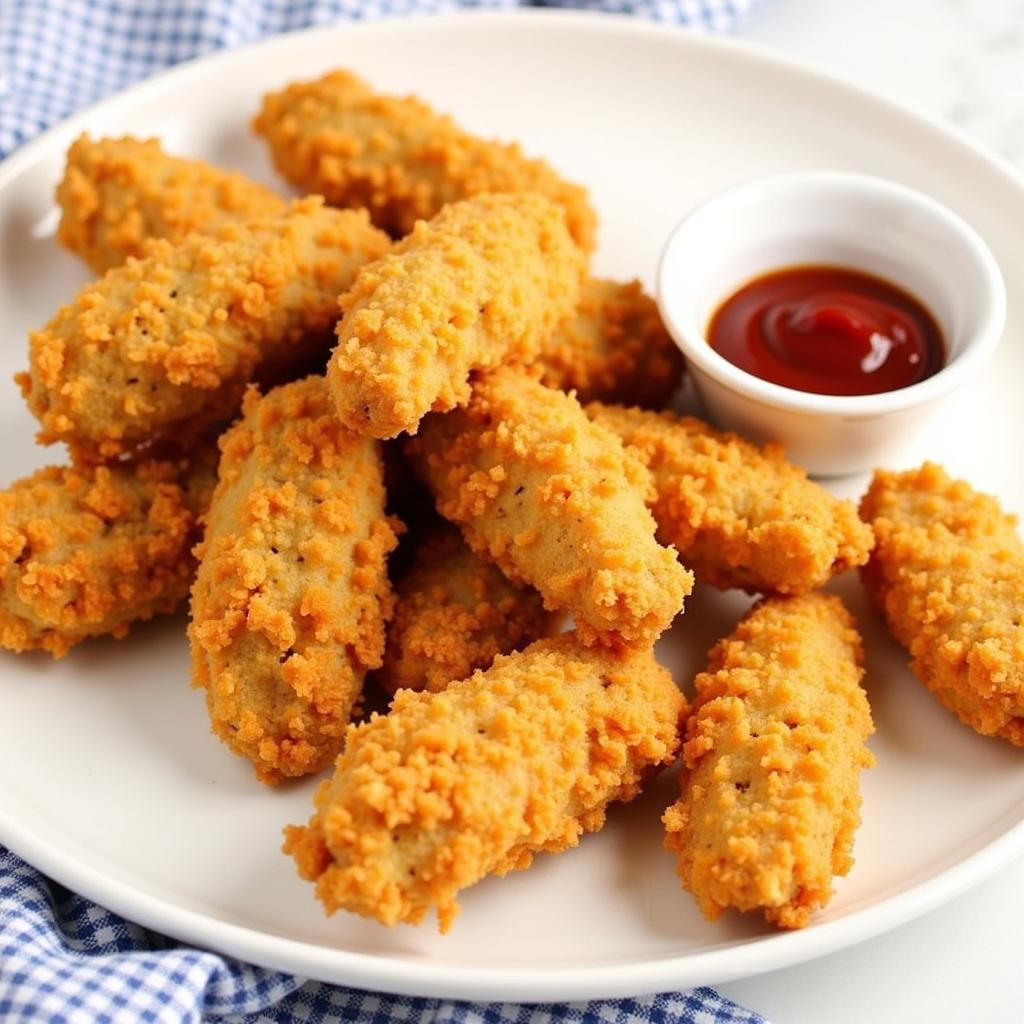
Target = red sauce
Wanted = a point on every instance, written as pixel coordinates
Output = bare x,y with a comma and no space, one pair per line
828,330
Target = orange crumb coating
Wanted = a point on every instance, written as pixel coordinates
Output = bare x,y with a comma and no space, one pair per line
740,516
773,754
557,503
616,349
947,574
486,281
397,157
118,193
87,552
163,347
454,612
450,787
291,597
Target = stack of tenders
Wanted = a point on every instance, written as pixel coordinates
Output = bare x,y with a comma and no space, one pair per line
424,319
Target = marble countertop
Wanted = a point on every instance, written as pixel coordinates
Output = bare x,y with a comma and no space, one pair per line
961,61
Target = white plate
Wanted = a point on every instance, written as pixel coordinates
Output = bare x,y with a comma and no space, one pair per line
109,779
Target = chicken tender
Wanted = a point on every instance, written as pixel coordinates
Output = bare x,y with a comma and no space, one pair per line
740,516
486,281
773,754
615,350
291,597
454,612
87,552
163,347
450,787
118,193
557,503
947,575
397,157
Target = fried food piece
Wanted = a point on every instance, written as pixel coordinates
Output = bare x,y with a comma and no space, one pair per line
557,503
291,597
740,516
118,193
450,787
773,752
454,612
615,350
486,281
947,575
87,552
397,157
163,347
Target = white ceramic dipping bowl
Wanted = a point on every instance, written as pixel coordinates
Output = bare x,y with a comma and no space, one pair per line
838,219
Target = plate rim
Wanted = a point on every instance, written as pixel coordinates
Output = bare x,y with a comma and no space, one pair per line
526,985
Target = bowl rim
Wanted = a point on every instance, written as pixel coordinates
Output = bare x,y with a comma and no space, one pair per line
701,357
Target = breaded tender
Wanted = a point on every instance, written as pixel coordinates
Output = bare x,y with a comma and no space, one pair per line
291,597
87,552
947,574
557,503
773,754
740,516
616,349
163,347
486,281
450,787
118,193
455,611
397,157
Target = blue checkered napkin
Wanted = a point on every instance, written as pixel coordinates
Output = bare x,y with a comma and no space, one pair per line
59,55
64,960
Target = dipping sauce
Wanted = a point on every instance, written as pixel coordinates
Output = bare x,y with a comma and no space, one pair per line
828,330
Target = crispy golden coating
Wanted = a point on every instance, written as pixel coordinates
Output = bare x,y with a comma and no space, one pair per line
454,612
616,349
118,193
397,157
774,749
164,346
947,574
87,552
557,503
740,516
291,597
486,281
450,787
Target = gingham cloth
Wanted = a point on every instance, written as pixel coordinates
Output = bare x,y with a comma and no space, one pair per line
63,959
59,55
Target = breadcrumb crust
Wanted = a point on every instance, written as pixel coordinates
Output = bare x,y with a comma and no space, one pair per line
450,787
773,752
87,552
740,516
454,612
616,349
557,503
486,281
397,157
291,597
163,347
947,574
116,194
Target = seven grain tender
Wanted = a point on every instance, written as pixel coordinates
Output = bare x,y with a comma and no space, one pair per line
947,575
450,787
557,503
773,754
292,593
162,348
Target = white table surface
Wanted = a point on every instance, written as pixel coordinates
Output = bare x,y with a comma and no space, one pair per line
962,60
